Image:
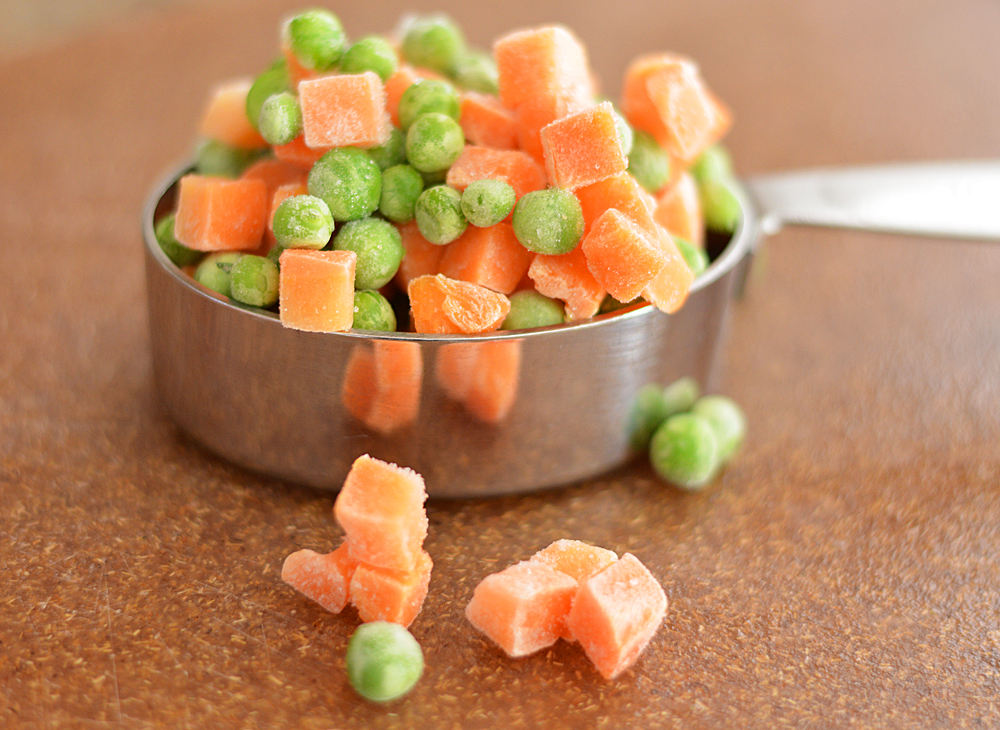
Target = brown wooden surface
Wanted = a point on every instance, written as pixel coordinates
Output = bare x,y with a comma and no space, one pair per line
842,572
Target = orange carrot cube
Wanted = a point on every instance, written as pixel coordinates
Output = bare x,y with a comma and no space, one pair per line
391,595
620,192
486,122
622,256
575,558
275,173
297,153
381,508
440,305
514,167
225,119
583,148
420,256
217,214
678,209
323,578
344,110
669,289
567,278
615,614
316,290
491,257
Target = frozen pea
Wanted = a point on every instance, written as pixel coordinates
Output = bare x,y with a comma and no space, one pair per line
694,257
719,205
384,661
439,214
487,202
348,181
316,38
681,395
401,186
213,271
220,160
649,410
372,311
530,309
648,163
433,142
684,451
378,246
726,419
176,251
548,221
371,53
434,42
280,118
390,153
477,71
303,221
253,280
438,177
425,96
273,81
714,163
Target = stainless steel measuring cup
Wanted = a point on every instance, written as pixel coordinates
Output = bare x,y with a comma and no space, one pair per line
506,412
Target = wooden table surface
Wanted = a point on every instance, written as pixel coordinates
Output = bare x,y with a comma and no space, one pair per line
842,572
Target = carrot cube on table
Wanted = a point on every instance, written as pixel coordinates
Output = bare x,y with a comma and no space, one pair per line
325,578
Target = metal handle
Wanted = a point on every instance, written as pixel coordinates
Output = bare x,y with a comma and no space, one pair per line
940,199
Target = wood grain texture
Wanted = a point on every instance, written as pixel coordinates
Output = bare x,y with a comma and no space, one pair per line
841,572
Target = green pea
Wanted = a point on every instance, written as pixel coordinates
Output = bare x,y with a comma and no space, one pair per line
390,153
371,53
649,410
176,251
317,39
220,160
378,246
684,451
401,186
273,81
303,221
348,181
487,202
696,258
438,177
213,271
434,42
681,395
726,419
530,309
372,311
425,96
433,142
384,661
548,221
477,71
439,214
714,163
280,118
719,205
254,281
648,163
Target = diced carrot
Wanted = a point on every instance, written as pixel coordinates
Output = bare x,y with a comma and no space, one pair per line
622,256
583,148
576,559
567,278
615,614
296,153
440,305
668,290
620,192
678,209
323,578
344,110
514,167
486,122
491,257
522,608
482,376
296,71
381,386
420,256
665,96
316,289
391,595
225,119
217,214
381,508
275,173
